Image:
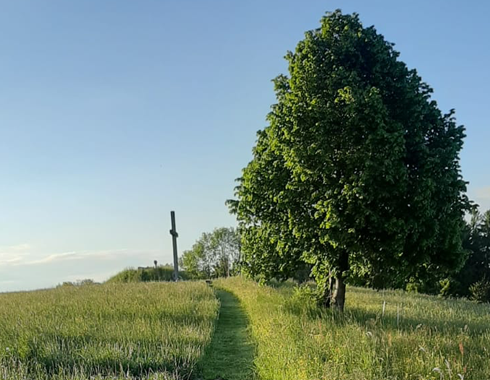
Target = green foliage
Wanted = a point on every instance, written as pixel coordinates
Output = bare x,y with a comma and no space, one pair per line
86,282
215,254
480,291
303,300
358,170
476,241
161,273
381,335
111,331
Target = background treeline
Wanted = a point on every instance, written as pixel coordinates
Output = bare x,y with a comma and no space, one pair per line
473,280
157,273
215,254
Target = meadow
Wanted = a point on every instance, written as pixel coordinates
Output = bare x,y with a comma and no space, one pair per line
238,330
382,335
116,331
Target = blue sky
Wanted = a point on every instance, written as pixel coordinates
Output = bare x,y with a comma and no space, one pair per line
115,112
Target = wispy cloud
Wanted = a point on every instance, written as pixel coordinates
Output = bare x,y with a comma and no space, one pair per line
20,255
21,270
14,254
17,256
86,255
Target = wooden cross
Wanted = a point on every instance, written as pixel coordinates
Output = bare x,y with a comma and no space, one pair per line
175,235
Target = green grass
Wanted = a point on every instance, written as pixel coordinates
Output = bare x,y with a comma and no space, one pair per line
231,352
161,273
172,331
116,331
417,337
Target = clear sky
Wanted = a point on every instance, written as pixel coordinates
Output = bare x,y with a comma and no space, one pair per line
115,112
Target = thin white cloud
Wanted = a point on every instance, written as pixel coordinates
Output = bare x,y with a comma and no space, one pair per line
56,257
20,255
34,271
13,255
84,255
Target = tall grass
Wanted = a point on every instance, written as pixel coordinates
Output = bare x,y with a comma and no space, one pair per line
382,335
116,331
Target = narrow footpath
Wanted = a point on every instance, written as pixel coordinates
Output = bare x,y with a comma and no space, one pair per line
230,354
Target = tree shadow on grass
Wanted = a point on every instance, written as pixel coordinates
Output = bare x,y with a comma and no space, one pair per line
231,352
408,323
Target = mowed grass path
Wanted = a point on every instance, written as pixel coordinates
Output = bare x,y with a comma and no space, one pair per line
231,352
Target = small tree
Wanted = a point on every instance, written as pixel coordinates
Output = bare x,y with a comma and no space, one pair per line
357,170
215,254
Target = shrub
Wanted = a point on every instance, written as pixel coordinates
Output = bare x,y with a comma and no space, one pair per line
480,291
161,273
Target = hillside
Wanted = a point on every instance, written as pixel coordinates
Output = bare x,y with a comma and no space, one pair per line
148,274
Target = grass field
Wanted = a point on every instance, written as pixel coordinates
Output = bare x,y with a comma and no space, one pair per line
141,330
410,337
238,331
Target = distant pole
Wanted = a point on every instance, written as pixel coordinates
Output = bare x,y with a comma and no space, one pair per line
175,235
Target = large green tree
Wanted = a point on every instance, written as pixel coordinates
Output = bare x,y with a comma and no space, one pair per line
358,169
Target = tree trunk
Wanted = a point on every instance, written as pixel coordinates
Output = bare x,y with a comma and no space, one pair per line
328,293
338,299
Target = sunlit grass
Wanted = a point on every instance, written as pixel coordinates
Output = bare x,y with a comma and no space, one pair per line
415,337
160,331
141,330
231,352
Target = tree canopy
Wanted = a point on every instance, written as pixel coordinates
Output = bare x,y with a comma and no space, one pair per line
358,170
215,254
473,280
